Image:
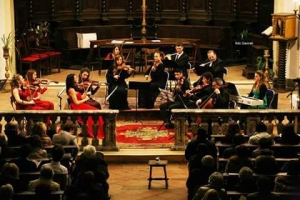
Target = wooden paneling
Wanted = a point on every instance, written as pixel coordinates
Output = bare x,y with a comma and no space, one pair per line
40,10
247,10
90,9
64,10
224,10
199,10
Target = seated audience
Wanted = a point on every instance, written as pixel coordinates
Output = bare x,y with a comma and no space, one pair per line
57,154
241,159
233,129
260,132
40,129
215,182
13,136
10,174
24,164
211,195
6,192
265,164
288,135
201,137
264,147
196,160
46,175
264,190
43,192
199,176
290,183
37,151
246,181
2,159
236,140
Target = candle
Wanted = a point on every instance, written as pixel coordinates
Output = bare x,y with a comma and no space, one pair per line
144,3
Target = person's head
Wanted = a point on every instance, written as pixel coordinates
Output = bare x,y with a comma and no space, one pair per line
71,82
177,73
3,140
179,47
207,78
16,81
46,172
12,127
263,184
31,76
25,150
258,76
288,132
260,127
211,194
119,60
116,50
211,55
216,180
69,126
35,141
158,56
84,74
233,129
57,152
201,134
265,143
238,139
10,170
293,167
241,151
39,128
89,151
245,174
217,83
6,191
208,161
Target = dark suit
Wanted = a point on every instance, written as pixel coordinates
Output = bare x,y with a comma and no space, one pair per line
182,63
216,68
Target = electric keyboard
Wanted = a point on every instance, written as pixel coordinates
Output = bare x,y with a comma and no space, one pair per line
250,101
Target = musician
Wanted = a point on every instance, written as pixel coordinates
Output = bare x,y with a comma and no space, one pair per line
83,79
213,64
39,89
22,95
158,80
114,53
181,58
117,87
259,90
220,96
201,91
182,84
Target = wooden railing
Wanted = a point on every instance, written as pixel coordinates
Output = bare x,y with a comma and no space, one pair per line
27,119
275,119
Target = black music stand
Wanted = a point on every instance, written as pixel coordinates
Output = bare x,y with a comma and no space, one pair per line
200,70
171,64
167,95
136,85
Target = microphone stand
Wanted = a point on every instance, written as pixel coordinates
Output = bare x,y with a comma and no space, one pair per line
291,94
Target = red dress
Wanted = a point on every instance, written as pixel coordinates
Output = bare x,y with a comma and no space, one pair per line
48,105
90,121
25,95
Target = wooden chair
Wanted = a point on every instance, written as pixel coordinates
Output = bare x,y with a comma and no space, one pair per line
148,56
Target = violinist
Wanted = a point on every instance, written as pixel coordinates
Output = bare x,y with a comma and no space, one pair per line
22,94
117,86
182,84
85,84
156,73
201,91
181,58
40,89
116,51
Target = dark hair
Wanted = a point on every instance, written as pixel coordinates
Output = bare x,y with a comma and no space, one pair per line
263,184
261,127
218,81
233,129
201,134
242,151
35,141
178,70
288,134
46,172
57,152
265,143
70,82
85,69
208,75
238,139
25,150
68,126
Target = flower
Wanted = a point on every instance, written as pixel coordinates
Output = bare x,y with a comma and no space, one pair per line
42,30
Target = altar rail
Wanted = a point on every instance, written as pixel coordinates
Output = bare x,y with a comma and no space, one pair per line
27,119
272,117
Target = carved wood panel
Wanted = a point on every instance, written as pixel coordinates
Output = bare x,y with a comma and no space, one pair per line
90,9
40,10
224,10
64,10
198,10
247,10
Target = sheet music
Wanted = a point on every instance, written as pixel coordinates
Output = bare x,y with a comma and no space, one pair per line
155,41
117,41
167,95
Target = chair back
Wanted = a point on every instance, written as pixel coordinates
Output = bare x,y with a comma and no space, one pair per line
166,78
225,72
270,94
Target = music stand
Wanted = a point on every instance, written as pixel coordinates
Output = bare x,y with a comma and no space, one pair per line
200,70
171,64
167,95
136,85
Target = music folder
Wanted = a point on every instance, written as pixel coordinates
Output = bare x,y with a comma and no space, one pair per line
137,85
170,64
167,95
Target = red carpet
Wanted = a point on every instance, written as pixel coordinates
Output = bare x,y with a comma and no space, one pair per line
144,136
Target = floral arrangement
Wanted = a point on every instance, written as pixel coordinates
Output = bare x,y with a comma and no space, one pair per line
42,30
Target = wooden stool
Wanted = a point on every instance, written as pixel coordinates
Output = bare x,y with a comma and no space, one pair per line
160,163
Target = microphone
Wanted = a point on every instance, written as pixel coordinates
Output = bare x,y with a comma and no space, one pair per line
60,92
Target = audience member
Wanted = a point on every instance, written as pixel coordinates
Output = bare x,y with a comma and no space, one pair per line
6,192
211,194
246,182
42,192
288,135
13,136
236,140
46,175
264,147
265,164
37,151
199,176
3,145
10,174
290,183
196,160
2,159
23,163
260,132
241,159
233,129
264,190
57,154
40,129
191,148
215,182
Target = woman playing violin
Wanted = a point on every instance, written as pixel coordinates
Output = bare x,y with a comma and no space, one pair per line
156,73
117,87
77,102
180,99
22,95
31,80
85,83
